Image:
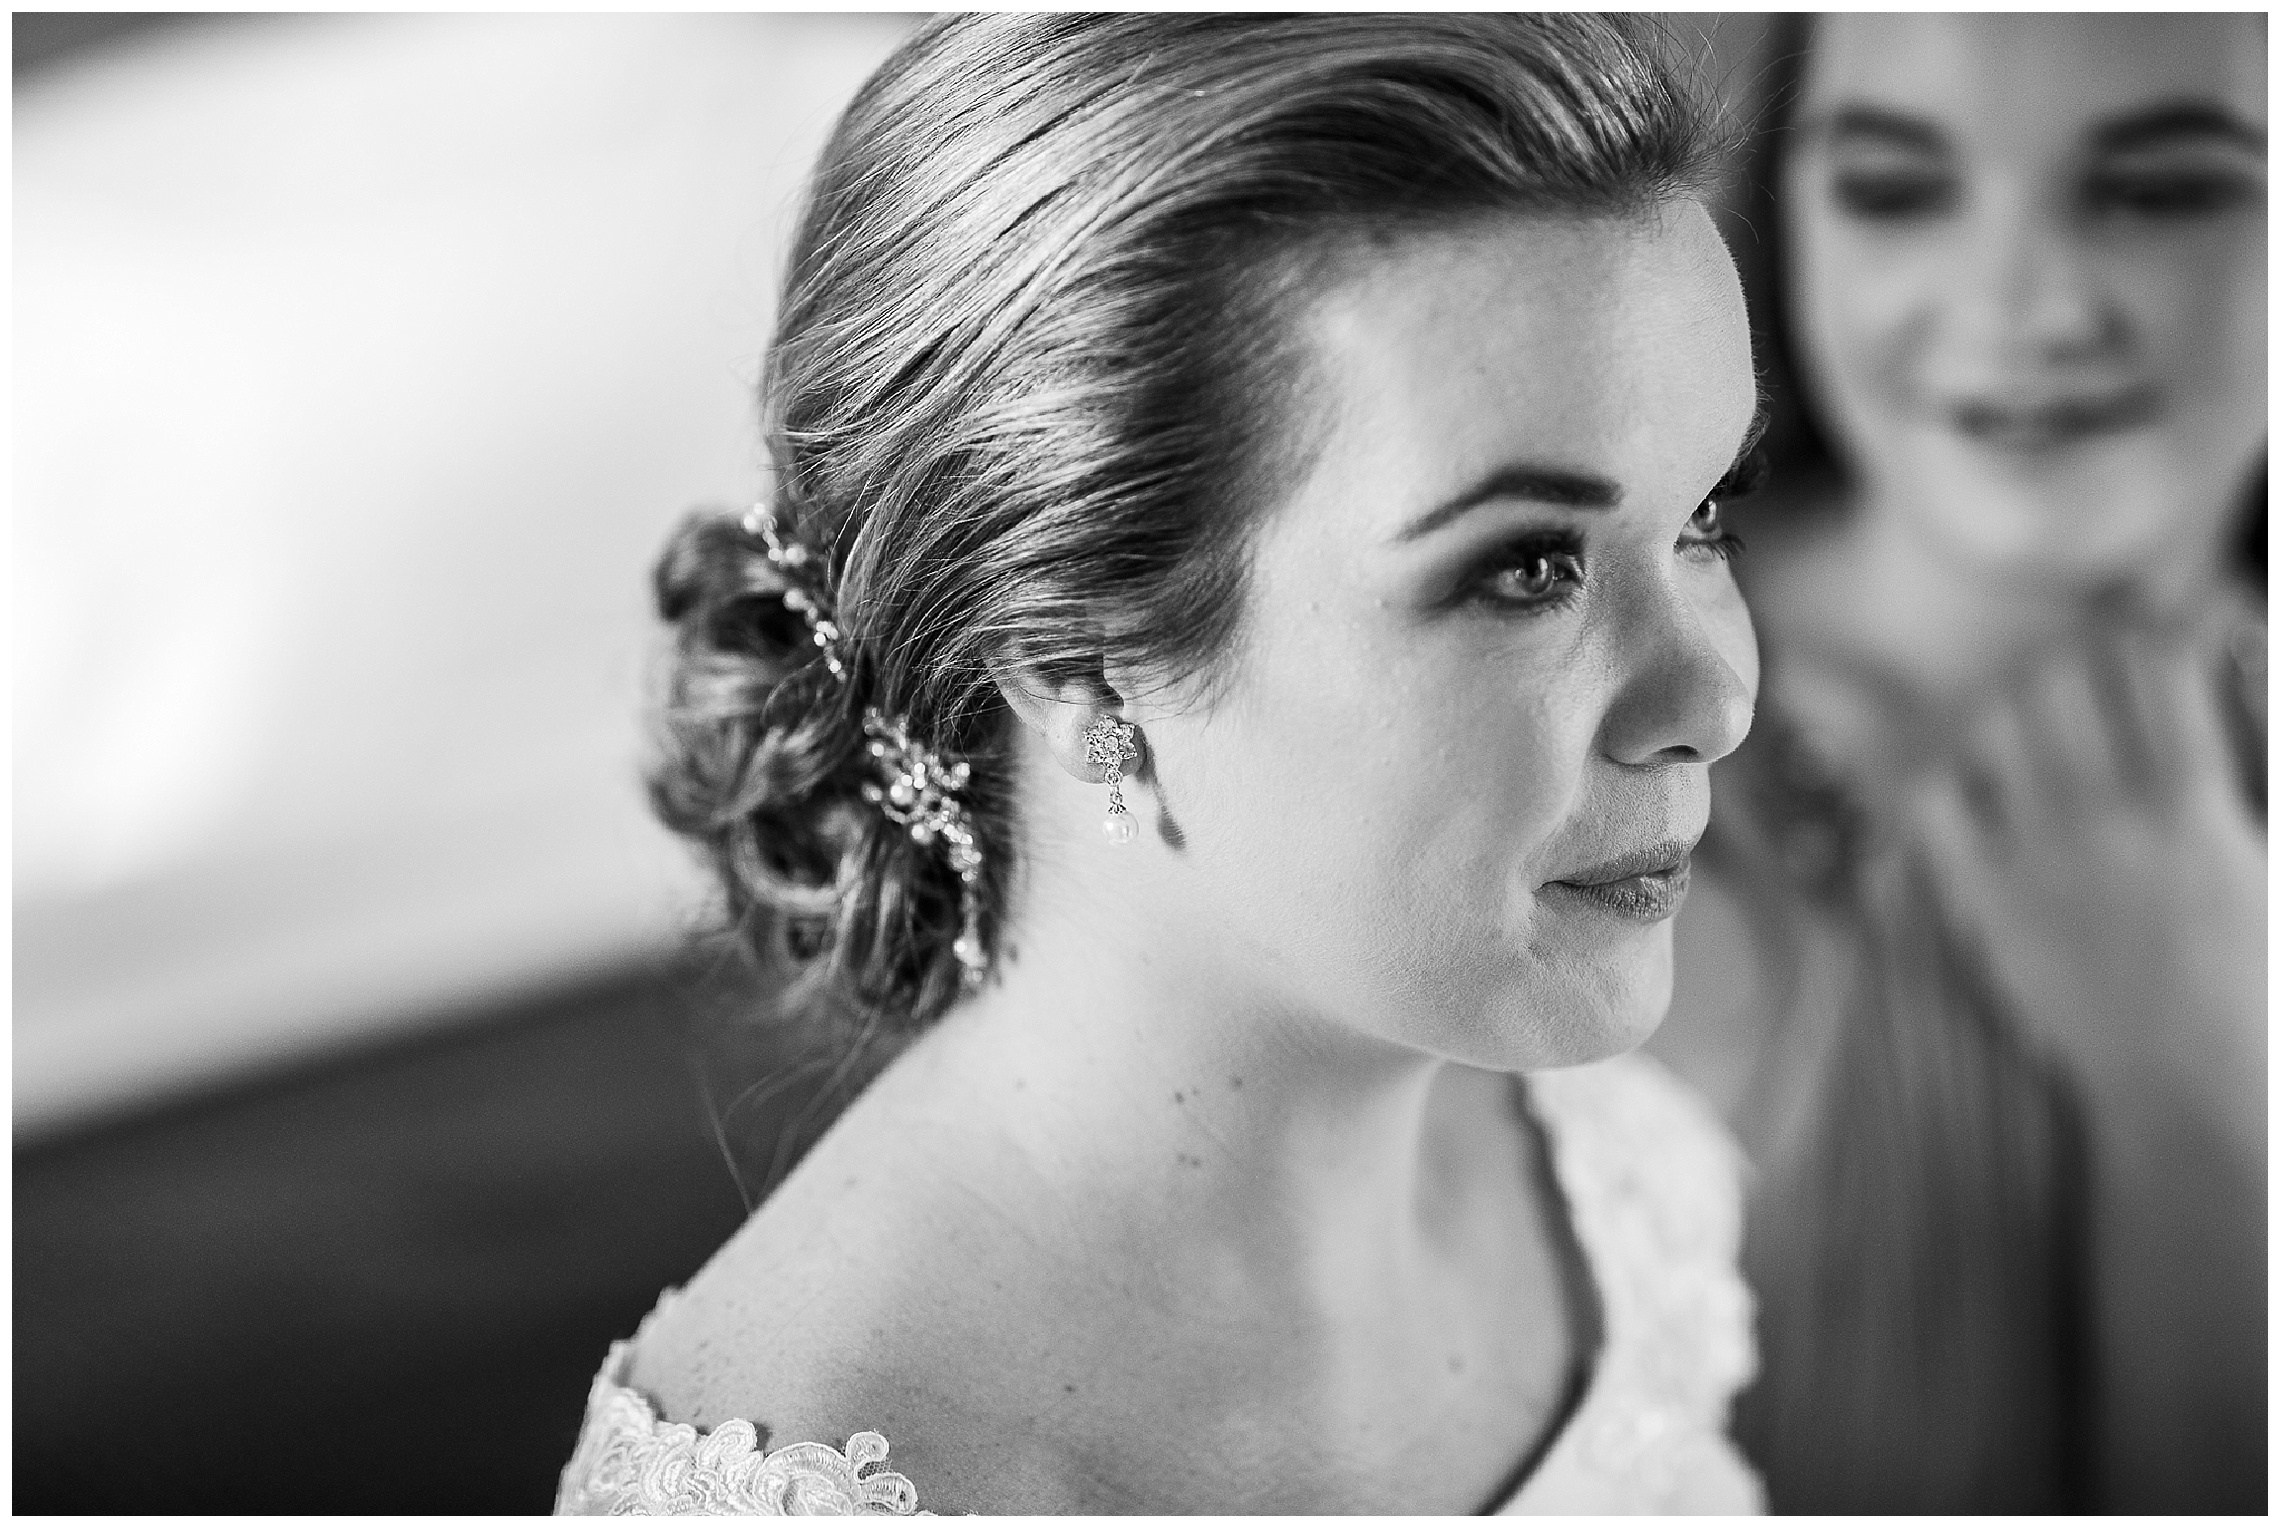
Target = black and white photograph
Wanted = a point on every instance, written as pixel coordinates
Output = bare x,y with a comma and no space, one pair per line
1210,763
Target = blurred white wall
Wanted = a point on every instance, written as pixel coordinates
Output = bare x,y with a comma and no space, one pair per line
361,364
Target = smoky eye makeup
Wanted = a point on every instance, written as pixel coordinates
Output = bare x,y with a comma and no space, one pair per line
1541,568
1533,570
1706,534
1706,537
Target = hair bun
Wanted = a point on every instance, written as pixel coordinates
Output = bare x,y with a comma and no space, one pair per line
716,573
762,764
757,735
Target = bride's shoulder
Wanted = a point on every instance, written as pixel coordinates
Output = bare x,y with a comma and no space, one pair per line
828,1331
797,1306
775,1330
640,1453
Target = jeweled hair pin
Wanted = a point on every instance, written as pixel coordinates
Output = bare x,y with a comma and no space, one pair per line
803,585
917,786
920,791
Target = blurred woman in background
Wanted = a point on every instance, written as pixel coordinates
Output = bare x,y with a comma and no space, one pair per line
1978,968
1313,428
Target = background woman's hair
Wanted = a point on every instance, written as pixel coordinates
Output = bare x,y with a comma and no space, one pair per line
1033,384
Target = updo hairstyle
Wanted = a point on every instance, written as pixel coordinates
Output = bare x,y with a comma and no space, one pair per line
1033,383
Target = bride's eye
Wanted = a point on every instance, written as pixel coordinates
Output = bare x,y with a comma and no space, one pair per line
1533,573
1706,533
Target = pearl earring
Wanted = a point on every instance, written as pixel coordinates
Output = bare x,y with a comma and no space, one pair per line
1109,744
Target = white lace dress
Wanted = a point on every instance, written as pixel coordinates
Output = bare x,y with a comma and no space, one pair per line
1653,1185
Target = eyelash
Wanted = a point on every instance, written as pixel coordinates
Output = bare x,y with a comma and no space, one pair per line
1721,543
1564,548
1553,548
1741,480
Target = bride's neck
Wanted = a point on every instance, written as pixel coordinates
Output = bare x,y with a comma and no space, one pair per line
1213,1129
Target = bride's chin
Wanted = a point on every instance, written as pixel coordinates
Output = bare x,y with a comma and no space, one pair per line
1633,1028
1537,1037
1615,1008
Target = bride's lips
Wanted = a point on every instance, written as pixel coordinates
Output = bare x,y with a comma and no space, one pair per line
2030,427
1646,884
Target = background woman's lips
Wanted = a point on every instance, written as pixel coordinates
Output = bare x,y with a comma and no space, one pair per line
2054,423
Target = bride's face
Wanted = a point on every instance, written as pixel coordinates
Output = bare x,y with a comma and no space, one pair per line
1444,787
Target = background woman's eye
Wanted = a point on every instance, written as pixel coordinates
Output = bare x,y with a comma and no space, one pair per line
1891,195
2167,194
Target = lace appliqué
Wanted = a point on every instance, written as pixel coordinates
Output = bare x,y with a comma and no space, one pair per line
629,1462
1654,1184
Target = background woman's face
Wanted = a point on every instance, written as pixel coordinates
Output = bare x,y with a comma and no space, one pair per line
2029,256
1491,646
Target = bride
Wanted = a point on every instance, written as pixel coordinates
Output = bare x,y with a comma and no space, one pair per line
1221,694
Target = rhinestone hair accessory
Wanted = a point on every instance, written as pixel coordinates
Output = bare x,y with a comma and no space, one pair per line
920,791
803,585
917,786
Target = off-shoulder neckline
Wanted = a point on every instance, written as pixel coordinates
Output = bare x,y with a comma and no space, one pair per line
729,1467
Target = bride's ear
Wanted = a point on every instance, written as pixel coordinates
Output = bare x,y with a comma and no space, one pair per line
1059,711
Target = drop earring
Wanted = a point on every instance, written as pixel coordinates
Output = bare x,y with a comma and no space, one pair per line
1110,745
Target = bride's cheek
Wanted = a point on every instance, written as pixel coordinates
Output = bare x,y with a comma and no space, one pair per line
1734,632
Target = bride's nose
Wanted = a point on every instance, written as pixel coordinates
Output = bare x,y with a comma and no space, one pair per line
1689,687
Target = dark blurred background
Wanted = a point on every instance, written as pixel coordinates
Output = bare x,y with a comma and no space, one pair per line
376,1284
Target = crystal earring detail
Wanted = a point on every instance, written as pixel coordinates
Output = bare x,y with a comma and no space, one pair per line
1110,744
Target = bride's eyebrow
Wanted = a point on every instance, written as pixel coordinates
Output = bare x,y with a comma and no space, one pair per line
1760,418
1535,482
1539,483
